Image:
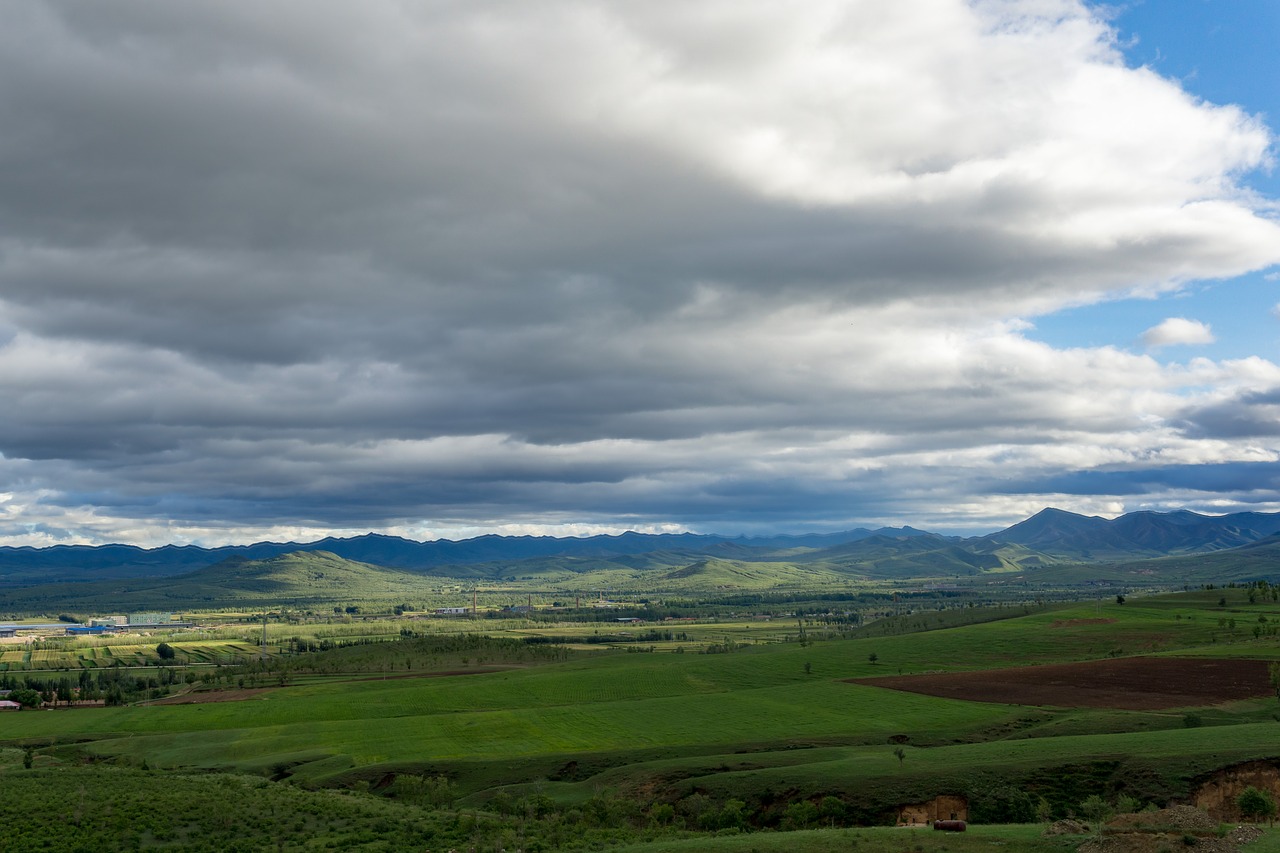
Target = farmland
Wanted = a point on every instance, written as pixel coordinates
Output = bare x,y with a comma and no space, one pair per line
527,723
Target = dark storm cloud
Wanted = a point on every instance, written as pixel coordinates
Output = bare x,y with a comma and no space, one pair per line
1248,415
1235,479
322,263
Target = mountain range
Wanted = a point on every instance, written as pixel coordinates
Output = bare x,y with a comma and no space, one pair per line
97,562
1051,537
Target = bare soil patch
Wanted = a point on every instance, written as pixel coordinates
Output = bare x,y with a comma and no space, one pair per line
1133,684
1174,828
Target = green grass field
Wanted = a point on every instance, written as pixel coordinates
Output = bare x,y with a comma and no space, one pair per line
770,723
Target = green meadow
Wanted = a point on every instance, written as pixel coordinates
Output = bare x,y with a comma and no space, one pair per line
728,740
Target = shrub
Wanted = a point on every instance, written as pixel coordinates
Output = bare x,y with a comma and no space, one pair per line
1255,804
1096,809
1002,804
26,697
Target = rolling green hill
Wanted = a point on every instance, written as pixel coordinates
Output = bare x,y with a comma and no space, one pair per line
536,739
1051,536
1256,561
308,578
319,579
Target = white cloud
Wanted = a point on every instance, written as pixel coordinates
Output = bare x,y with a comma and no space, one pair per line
500,265
1177,331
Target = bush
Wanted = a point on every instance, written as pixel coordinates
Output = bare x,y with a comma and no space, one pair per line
1002,804
1126,804
1096,809
1255,804
26,697
800,815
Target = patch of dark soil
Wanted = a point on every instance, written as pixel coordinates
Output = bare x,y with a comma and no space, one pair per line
1135,684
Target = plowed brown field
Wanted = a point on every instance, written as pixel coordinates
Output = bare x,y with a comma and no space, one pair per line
1134,684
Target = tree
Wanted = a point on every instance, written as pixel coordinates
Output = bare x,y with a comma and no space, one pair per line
165,651
1255,804
832,810
1095,808
732,814
1119,599
1001,803
26,697
901,754
800,815
873,657
1126,804
662,814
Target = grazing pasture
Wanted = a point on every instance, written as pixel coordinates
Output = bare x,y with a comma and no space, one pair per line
741,725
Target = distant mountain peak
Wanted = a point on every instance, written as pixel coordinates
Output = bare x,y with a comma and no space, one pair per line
1051,535
1135,534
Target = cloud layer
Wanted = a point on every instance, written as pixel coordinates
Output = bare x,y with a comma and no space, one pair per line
731,265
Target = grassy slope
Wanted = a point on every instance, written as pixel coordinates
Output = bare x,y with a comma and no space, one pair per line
619,702
303,578
660,706
108,808
319,579
1260,561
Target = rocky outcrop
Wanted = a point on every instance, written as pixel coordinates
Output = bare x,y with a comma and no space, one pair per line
946,807
1217,796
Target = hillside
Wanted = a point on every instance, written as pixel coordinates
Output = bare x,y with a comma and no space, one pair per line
1051,536
311,578
1012,720
1255,561
1066,535
26,565
1053,547
927,556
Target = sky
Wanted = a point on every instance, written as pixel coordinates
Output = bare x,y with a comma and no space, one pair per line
437,269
